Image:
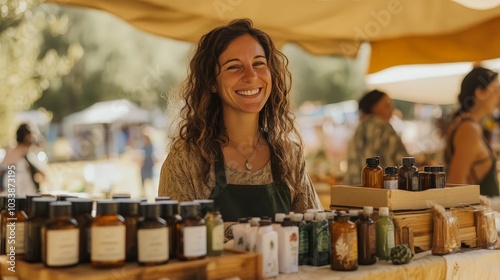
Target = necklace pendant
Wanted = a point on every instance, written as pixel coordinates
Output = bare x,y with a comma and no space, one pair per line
248,165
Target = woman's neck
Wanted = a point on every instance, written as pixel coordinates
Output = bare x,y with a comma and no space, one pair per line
244,129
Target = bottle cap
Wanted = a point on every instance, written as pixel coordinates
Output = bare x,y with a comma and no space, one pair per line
279,217
437,168
264,223
129,207
320,216
60,209
81,206
383,211
408,161
150,210
372,162
353,212
20,203
329,215
168,208
312,211
391,171
190,209
287,222
368,210
297,217
162,198
29,199
106,207
206,205
254,221
120,196
64,197
40,206
427,168
308,216
243,220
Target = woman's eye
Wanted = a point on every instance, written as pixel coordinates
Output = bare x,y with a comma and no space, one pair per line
259,63
233,67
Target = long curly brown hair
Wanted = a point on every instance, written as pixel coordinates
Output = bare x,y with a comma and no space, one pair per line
201,126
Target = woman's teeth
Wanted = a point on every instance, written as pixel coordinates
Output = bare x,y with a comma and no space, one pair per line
248,92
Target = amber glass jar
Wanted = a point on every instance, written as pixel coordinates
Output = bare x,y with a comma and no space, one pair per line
169,212
408,175
367,243
107,233
33,234
344,244
20,216
82,212
129,210
372,175
152,236
192,234
3,219
60,237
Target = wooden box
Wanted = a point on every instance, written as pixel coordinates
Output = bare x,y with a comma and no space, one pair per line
357,197
233,263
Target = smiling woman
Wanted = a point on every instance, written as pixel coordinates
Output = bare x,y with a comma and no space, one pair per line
236,142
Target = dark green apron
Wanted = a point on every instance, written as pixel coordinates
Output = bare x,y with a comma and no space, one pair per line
238,201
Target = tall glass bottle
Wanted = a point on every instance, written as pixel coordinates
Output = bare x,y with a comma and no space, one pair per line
385,234
215,231
82,212
3,220
319,240
305,251
366,237
169,212
192,235
107,233
17,241
33,237
344,244
60,237
129,210
152,236
408,175
372,175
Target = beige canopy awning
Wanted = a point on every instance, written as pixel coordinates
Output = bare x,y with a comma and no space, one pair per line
400,31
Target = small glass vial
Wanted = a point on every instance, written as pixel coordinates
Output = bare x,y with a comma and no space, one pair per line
60,237
152,236
169,212
20,218
438,177
33,237
215,231
391,178
192,234
425,178
385,234
344,244
107,233
29,199
372,175
129,210
408,175
366,237
82,212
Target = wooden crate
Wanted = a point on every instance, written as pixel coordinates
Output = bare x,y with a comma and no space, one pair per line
232,263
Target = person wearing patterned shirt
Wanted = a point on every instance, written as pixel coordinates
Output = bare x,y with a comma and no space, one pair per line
237,143
374,136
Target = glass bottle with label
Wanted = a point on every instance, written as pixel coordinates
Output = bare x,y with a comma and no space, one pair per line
170,213
408,175
107,233
385,234
288,246
29,199
344,244
20,227
372,175
425,178
366,237
319,240
305,239
129,210
438,177
215,231
192,234
391,178
33,237
152,236
60,237
82,212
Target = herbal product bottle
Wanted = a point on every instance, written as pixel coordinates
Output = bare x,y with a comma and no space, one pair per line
129,210
267,246
366,237
344,244
152,236
15,235
391,178
60,237
372,175
82,212
305,248
385,234
320,240
3,220
107,233
288,247
425,179
33,235
239,231
170,213
408,175
438,177
192,234
251,235
215,231
29,199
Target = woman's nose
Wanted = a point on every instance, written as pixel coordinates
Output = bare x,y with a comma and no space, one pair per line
249,74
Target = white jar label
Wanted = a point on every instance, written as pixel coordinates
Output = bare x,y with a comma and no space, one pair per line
62,247
195,241
152,245
107,243
218,238
391,184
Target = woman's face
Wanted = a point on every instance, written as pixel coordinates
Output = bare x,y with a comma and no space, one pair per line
383,108
244,82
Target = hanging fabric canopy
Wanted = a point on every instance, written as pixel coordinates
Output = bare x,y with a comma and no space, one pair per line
400,31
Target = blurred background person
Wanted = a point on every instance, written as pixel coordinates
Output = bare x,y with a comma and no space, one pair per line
374,136
469,157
